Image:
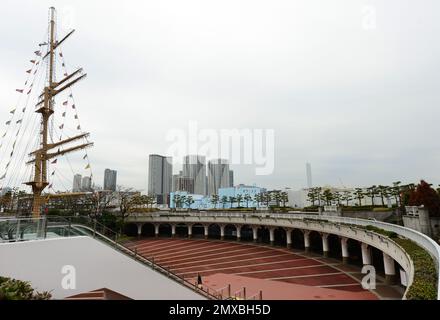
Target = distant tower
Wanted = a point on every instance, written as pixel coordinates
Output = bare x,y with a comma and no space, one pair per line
76,183
309,175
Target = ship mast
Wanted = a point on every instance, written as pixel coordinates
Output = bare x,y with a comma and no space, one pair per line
45,107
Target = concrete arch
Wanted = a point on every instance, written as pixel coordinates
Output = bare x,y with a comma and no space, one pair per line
246,233
230,232
198,230
165,230
280,236
131,229
181,230
214,231
315,242
263,234
147,230
297,239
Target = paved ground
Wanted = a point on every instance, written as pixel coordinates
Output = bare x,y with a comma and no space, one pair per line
226,262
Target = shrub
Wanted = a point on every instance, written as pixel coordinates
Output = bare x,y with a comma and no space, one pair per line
12,289
424,286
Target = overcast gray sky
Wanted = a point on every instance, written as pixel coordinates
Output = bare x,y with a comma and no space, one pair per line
358,98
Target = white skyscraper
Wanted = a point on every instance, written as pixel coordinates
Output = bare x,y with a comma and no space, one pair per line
76,183
110,179
86,184
194,166
160,173
309,175
218,175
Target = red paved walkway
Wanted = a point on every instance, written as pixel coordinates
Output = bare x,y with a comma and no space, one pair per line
220,262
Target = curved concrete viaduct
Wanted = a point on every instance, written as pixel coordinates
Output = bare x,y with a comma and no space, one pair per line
344,228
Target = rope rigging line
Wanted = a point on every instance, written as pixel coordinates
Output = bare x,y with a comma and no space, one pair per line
18,124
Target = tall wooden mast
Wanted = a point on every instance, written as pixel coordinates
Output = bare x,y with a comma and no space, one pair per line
45,107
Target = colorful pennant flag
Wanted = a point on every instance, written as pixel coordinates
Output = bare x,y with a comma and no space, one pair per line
76,116
32,61
79,127
12,111
55,161
65,103
8,122
61,126
19,90
29,71
73,106
87,166
85,156
64,114
38,53
19,121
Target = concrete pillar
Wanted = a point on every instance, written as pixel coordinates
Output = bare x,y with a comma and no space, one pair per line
222,232
173,230
344,248
238,228
390,270
156,230
306,240
289,238
190,230
206,231
139,227
366,254
272,236
255,233
325,246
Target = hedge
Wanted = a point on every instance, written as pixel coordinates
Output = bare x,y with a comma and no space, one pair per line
424,286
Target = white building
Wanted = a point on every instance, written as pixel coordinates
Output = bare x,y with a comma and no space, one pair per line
194,166
218,175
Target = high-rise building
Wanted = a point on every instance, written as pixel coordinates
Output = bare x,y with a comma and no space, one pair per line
218,175
184,184
194,166
309,175
76,183
160,172
110,180
231,178
86,184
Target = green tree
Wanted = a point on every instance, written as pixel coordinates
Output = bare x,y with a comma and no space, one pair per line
232,200
384,193
425,195
284,198
189,201
359,195
214,200
347,197
247,198
224,200
328,196
12,289
239,200
371,193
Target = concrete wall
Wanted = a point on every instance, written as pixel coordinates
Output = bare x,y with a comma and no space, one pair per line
97,266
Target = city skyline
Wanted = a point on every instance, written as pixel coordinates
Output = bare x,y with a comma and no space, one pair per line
323,102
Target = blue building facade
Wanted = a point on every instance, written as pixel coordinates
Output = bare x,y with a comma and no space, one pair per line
202,202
